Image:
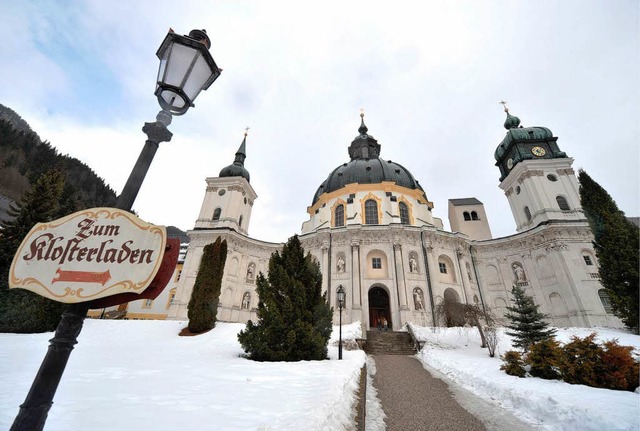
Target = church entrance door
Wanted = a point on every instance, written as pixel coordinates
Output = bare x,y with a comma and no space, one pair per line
378,307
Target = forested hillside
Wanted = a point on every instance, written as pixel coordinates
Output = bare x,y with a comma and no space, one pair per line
24,158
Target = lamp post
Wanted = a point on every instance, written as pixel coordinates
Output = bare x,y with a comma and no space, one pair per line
186,68
340,295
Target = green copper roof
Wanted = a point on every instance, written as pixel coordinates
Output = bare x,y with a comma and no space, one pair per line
237,169
511,122
366,167
517,133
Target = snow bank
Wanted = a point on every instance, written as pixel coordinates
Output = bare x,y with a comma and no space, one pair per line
552,405
141,375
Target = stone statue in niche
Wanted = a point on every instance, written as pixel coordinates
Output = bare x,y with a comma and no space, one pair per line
340,263
519,273
413,264
246,300
418,301
251,271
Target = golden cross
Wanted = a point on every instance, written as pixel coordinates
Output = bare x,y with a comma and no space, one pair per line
246,130
361,112
503,103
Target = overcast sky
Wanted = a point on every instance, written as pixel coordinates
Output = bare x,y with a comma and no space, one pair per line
428,74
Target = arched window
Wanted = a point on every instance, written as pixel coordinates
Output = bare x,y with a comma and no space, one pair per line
339,216
474,215
216,214
443,267
606,302
451,295
240,222
371,212
527,213
588,259
404,213
562,203
466,216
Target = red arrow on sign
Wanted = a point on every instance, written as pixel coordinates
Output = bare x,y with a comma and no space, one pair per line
82,276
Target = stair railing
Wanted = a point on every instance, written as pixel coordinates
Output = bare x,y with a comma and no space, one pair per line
417,344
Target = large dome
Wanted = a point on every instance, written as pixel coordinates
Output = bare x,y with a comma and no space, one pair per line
366,167
367,171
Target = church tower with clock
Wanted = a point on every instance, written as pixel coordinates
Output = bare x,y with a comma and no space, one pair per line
536,176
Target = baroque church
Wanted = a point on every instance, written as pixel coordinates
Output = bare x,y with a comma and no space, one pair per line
372,231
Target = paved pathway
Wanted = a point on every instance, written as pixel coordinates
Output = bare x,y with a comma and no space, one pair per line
413,400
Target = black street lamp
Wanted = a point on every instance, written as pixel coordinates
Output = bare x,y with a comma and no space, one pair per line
340,295
186,68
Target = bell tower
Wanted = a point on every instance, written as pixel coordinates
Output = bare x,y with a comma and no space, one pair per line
537,178
229,197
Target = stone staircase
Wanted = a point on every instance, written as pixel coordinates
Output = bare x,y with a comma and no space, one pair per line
389,343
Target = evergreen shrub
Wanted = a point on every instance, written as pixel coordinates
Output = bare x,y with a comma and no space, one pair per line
203,304
622,370
513,364
294,319
544,358
526,324
609,365
582,361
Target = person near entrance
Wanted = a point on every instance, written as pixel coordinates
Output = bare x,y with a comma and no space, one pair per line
385,324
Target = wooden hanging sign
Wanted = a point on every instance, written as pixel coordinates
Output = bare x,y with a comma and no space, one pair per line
88,255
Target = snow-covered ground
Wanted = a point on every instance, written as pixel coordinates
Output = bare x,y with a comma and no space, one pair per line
550,405
139,375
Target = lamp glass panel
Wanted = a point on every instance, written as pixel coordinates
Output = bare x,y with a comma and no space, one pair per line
199,75
162,68
341,295
172,98
179,62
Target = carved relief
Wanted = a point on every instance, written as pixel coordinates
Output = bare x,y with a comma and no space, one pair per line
418,299
246,301
340,265
413,263
251,272
529,174
518,272
568,171
238,189
468,268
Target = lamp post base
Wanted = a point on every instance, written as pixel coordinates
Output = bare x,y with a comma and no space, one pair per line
33,412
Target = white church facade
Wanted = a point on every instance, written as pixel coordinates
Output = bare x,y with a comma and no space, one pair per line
372,232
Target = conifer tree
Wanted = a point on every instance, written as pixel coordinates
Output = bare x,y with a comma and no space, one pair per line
616,245
294,318
20,310
203,305
526,322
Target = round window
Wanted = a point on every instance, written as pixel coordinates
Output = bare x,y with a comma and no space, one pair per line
222,192
552,177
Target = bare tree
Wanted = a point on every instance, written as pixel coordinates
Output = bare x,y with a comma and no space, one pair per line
452,313
491,338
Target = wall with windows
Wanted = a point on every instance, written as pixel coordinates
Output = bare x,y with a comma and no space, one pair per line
470,219
541,190
555,265
227,203
370,204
